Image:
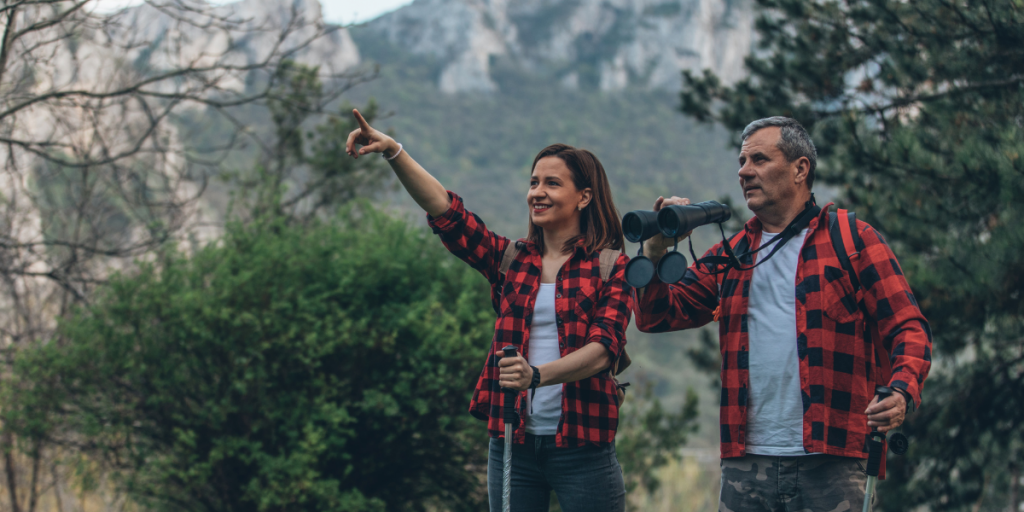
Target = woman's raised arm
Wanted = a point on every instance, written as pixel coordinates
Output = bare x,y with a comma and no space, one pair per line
424,188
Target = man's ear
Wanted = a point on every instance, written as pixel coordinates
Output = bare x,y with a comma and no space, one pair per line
586,196
803,169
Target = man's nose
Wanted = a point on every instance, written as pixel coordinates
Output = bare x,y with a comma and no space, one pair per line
745,172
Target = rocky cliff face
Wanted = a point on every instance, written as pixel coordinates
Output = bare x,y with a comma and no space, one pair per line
607,44
243,33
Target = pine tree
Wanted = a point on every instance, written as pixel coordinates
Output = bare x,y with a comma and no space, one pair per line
917,109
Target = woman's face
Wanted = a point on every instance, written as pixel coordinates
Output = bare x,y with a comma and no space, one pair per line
553,198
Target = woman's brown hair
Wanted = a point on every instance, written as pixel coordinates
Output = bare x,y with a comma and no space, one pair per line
600,225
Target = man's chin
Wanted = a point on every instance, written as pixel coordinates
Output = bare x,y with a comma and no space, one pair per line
755,203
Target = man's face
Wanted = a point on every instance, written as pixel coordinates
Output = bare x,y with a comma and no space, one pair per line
767,178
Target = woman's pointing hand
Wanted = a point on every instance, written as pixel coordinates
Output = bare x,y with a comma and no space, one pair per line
372,141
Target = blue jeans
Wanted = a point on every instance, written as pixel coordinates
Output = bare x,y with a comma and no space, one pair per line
585,479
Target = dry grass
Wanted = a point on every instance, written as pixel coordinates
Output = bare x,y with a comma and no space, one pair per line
691,485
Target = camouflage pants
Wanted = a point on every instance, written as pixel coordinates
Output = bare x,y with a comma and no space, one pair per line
811,483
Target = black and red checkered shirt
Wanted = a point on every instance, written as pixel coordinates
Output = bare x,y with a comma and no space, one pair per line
587,310
837,363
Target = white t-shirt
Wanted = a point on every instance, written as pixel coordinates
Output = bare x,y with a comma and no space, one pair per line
547,402
775,424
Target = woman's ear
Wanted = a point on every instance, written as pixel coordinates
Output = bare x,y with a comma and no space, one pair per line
585,197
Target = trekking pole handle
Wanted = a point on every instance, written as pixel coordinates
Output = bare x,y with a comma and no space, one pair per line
876,446
510,394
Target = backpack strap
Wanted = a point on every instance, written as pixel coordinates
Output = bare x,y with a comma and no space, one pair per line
607,259
511,251
846,241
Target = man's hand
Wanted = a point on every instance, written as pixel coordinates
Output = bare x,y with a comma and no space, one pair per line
889,414
515,373
656,246
372,141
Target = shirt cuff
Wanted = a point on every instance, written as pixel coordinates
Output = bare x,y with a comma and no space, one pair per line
900,384
598,334
451,218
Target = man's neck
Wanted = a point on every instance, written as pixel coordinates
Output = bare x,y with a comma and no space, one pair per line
774,220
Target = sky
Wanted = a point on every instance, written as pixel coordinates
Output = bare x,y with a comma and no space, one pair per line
357,11
335,11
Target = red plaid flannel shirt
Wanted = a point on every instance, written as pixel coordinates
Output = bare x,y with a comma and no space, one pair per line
837,362
587,311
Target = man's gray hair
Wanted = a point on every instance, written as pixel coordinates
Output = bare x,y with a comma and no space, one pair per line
794,141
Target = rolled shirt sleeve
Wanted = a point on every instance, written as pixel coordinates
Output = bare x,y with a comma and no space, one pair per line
613,311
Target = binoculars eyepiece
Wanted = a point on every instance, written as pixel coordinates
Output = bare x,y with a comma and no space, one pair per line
672,221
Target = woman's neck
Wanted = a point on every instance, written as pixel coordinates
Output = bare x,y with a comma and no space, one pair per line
555,239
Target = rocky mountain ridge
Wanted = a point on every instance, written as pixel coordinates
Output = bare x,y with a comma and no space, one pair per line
596,44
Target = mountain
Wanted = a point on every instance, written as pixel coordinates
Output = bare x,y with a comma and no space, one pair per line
605,44
242,33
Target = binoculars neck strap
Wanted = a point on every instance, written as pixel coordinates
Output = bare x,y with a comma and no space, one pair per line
730,260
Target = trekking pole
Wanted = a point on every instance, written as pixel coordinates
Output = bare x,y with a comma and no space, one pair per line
876,450
511,418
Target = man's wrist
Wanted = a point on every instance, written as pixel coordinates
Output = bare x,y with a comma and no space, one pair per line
654,253
906,398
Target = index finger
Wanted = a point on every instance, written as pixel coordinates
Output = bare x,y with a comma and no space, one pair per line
363,125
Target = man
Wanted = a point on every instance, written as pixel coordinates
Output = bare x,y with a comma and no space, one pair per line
798,362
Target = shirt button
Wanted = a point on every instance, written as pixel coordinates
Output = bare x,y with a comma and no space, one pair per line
558,295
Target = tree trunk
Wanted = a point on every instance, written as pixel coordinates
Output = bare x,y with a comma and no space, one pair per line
33,490
56,488
8,448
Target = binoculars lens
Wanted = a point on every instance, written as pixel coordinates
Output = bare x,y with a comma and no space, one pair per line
675,220
639,225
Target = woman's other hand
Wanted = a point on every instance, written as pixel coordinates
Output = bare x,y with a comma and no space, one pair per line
515,373
372,141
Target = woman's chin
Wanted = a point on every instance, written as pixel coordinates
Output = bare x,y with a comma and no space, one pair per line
540,220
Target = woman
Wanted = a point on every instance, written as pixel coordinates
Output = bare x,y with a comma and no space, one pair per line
566,320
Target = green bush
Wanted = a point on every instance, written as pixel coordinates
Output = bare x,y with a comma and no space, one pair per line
287,367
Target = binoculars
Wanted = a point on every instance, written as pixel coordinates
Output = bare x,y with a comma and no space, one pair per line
671,221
